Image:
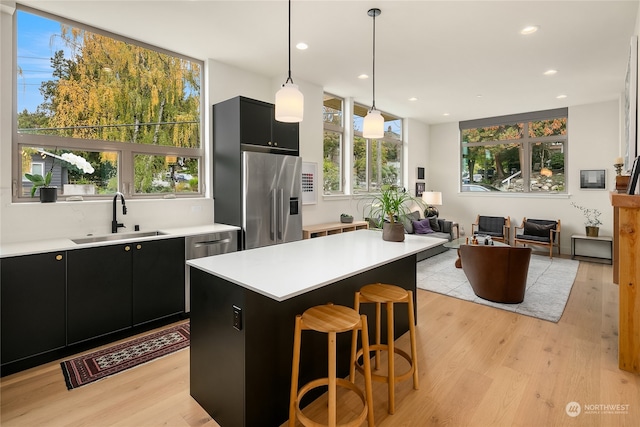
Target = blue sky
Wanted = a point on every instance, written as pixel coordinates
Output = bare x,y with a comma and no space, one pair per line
36,45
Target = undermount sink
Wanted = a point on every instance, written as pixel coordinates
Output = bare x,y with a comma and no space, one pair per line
116,237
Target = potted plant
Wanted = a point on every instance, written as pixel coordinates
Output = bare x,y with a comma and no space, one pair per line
592,220
389,207
48,192
346,218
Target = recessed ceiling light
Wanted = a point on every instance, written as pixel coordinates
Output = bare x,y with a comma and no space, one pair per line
561,96
550,72
363,76
479,96
413,98
529,30
445,114
302,46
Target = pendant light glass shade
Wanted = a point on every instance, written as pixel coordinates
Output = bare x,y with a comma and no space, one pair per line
289,104
373,125
289,100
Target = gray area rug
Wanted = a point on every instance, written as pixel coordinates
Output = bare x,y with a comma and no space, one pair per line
549,284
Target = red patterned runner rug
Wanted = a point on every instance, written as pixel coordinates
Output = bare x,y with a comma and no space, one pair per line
91,367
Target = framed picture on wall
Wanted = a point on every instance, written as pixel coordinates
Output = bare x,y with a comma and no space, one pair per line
419,189
420,172
593,179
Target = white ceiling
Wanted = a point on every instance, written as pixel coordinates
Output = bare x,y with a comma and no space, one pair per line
465,58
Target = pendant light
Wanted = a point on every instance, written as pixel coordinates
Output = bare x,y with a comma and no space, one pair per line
289,100
373,124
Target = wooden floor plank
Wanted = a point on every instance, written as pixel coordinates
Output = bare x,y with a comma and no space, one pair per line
479,366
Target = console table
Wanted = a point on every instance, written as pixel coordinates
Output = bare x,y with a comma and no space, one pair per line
600,240
626,252
317,230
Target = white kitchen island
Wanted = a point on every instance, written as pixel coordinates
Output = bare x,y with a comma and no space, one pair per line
243,308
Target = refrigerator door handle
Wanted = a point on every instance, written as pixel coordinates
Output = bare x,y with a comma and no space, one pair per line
274,215
281,213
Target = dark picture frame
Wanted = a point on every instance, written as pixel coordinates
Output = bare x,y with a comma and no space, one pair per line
420,186
635,176
420,172
593,179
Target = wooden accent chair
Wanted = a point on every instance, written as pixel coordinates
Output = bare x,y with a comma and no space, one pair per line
540,232
495,226
496,273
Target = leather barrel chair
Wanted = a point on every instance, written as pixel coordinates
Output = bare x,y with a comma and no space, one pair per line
496,273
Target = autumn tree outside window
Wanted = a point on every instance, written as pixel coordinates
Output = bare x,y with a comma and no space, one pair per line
132,110
520,153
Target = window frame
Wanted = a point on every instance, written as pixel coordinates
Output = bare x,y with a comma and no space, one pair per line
525,143
126,150
340,130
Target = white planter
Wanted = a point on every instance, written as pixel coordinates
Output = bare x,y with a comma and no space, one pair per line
78,189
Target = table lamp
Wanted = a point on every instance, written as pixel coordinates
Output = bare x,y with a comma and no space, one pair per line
432,199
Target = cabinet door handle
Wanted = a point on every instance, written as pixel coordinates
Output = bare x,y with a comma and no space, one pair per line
59,257
127,248
138,246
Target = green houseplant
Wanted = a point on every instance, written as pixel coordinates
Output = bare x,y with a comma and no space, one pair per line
389,207
592,219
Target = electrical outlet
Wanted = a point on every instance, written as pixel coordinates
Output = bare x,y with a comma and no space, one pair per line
237,318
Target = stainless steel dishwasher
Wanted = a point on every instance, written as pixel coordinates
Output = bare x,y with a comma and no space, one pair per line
204,245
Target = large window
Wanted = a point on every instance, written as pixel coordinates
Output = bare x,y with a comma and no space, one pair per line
523,153
333,152
131,111
376,162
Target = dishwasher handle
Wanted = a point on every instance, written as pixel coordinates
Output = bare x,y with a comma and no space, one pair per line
211,243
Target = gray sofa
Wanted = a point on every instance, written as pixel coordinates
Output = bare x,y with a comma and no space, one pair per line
442,229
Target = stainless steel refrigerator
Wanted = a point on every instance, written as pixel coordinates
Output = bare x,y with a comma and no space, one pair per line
271,199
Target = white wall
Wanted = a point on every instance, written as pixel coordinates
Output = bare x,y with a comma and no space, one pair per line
593,143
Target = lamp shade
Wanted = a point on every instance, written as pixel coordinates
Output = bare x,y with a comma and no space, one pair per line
432,198
373,125
289,104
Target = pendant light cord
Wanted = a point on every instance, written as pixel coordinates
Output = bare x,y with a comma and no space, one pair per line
289,79
373,105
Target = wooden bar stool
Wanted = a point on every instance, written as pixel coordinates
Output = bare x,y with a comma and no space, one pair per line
379,294
330,319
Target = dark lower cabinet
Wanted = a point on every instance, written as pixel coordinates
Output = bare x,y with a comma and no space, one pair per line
32,316
98,291
158,279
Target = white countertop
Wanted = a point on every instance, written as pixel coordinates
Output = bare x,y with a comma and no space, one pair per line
284,271
52,245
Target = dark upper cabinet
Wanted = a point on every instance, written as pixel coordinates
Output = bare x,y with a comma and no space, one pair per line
98,291
158,279
251,124
33,305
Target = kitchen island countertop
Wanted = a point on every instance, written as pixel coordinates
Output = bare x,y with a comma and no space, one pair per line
284,271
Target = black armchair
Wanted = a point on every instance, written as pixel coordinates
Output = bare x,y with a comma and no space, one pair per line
540,232
495,226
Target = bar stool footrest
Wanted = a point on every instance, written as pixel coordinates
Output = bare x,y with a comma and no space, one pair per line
341,382
385,378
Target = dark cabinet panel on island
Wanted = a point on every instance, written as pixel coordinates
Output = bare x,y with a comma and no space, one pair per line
33,305
158,279
98,291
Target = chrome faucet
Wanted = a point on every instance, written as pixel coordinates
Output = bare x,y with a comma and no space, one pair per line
114,223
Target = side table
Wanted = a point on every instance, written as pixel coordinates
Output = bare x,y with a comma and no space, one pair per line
590,256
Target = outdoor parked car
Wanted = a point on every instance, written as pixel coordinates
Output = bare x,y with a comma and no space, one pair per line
478,187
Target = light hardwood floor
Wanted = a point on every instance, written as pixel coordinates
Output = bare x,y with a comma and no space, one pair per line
479,366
